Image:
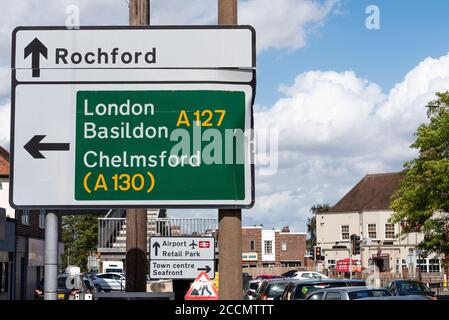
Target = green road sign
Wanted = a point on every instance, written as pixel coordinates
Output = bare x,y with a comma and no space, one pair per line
126,145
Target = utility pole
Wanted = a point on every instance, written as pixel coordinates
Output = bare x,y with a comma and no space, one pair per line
229,220
136,219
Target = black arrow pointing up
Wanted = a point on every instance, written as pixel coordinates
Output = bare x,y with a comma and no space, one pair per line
35,48
156,246
207,269
34,147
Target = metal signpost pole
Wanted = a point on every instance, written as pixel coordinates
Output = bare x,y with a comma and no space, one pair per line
51,256
230,220
136,219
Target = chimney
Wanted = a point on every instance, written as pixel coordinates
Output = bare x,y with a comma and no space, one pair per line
286,229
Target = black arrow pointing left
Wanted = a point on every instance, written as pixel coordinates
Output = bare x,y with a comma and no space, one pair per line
36,49
35,146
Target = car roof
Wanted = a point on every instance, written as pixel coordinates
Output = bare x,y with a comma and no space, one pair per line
283,280
119,273
349,289
405,281
409,297
318,281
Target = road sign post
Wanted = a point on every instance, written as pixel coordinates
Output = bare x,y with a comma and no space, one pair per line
136,219
181,257
230,221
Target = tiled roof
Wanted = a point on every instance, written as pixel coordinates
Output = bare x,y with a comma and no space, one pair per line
4,162
373,192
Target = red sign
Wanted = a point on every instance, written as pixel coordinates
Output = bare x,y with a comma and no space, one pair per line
204,244
202,289
343,265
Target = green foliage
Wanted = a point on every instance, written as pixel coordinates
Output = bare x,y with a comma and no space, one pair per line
80,236
422,202
311,224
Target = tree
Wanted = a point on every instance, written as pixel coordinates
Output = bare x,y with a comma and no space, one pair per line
422,202
80,236
311,224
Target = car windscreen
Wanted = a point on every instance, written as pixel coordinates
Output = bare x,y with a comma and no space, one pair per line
276,289
302,289
411,286
367,293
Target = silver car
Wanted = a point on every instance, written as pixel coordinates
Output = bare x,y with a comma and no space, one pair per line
347,293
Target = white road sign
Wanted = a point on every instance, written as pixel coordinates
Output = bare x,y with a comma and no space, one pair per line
182,248
94,110
180,269
181,257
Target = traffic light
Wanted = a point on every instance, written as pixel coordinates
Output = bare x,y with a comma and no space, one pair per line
355,244
317,253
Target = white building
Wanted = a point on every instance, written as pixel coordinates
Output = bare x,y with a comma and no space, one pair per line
365,211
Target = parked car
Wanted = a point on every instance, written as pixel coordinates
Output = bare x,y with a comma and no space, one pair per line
307,275
298,289
347,293
410,297
250,290
409,287
271,289
109,282
66,291
268,276
289,273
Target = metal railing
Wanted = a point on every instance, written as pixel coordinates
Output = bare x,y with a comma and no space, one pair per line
112,231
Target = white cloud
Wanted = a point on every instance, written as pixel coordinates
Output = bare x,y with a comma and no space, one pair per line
334,129
284,23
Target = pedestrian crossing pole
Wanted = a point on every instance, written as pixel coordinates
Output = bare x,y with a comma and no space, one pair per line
136,219
229,220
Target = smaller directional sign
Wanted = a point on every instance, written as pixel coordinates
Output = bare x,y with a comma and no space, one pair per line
181,257
182,248
180,269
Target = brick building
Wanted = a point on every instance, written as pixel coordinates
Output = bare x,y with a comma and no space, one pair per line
272,248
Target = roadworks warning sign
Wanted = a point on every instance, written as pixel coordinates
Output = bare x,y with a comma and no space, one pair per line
202,289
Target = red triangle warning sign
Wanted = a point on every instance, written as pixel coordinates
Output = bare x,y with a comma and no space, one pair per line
202,289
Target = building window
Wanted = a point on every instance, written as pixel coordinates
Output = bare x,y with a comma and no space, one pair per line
268,265
345,232
284,245
422,264
268,247
434,265
42,219
25,217
331,263
291,264
252,245
372,231
389,231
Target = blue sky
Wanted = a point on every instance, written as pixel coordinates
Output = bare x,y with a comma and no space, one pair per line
411,30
